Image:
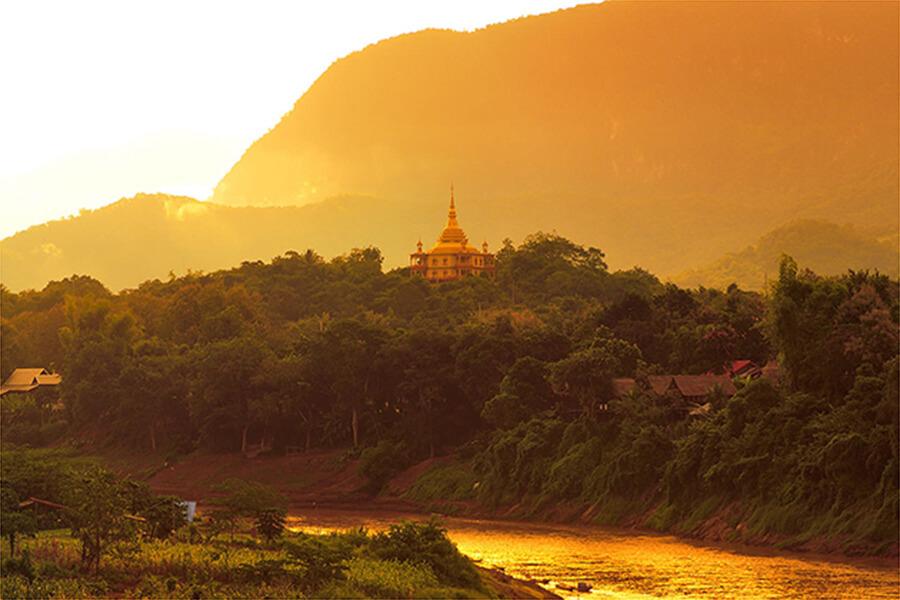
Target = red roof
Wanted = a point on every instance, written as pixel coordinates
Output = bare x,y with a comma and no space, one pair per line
743,367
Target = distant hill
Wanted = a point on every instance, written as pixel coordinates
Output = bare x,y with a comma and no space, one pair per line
664,133
147,236
637,127
825,248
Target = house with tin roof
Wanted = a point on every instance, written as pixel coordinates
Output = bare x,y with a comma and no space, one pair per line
26,380
676,391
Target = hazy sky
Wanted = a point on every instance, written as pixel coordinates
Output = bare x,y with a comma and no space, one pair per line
105,99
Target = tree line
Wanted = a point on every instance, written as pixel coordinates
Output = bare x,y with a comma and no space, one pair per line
306,352
301,352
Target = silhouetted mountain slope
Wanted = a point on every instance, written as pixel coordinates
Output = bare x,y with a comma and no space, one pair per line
639,126
825,248
148,236
664,133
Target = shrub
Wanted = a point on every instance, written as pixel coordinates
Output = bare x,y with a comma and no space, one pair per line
427,544
324,560
270,523
449,481
264,571
389,578
21,566
382,462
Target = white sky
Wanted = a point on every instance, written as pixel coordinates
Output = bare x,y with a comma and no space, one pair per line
101,100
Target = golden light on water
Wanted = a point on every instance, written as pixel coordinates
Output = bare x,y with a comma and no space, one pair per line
638,566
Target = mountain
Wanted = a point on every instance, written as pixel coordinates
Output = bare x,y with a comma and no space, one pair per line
637,127
664,133
150,235
824,248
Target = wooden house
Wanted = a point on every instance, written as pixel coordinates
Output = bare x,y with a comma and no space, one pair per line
678,392
26,380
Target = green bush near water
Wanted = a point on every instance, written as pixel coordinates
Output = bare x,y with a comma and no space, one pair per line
411,560
448,481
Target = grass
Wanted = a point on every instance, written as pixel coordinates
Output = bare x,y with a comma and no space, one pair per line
612,508
703,511
389,579
446,481
772,518
663,518
49,566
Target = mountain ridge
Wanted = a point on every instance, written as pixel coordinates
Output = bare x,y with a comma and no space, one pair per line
666,134
187,234
633,127
823,247
535,97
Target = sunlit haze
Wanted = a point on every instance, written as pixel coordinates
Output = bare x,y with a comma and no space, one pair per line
104,100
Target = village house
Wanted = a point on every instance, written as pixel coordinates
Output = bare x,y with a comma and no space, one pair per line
26,380
41,384
744,368
680,393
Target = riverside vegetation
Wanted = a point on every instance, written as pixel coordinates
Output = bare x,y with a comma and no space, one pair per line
302,352
239,550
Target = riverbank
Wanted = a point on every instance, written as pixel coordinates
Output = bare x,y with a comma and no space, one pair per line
507,586
347,565
630,563
329,479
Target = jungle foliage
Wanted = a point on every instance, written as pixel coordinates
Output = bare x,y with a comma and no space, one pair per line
516,373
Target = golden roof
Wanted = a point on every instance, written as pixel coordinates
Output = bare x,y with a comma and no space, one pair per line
452,239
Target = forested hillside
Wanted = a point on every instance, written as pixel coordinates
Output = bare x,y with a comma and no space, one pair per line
185,235
825,248
150,235
635,126
638,127
517,375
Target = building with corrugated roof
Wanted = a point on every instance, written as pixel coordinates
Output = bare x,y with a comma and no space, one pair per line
687,388
452,257
26,380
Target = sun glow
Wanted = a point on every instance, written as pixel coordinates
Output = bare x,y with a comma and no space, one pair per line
110,99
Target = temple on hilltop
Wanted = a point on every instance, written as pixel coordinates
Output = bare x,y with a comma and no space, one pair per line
452,257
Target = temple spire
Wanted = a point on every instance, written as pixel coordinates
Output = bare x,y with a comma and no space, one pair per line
452,257
452,223
451,217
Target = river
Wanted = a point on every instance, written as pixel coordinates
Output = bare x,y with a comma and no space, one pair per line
623,565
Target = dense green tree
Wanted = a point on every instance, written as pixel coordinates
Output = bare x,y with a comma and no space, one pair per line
827,327
225,391
484,352
13,522
153,390
427,544
586,375
97,503
350,349
11,348
291,398
96,342
547,265
524,392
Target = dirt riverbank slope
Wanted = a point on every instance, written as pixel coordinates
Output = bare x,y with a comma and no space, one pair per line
329,479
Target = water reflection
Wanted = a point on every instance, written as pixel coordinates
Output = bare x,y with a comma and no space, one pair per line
626,566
